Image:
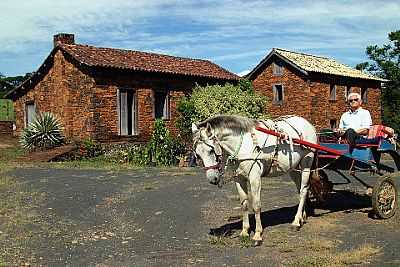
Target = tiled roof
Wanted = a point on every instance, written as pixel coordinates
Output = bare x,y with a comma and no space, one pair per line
310,63
142,61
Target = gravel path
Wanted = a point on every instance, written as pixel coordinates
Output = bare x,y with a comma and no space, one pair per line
174,217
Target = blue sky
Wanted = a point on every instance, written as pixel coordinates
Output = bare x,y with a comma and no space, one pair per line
234,34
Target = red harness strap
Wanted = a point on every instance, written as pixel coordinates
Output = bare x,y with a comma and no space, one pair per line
216,166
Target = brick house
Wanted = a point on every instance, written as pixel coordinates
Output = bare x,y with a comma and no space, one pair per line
110,94
313,87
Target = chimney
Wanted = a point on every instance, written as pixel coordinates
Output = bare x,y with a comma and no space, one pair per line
63,38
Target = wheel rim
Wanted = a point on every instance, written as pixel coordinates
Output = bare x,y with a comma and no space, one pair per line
386,198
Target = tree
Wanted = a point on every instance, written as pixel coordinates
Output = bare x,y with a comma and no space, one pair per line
9,83
216,99
385,63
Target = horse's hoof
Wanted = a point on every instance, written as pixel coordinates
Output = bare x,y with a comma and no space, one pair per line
257,243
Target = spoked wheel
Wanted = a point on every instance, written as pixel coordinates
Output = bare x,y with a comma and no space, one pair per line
384,197
320,187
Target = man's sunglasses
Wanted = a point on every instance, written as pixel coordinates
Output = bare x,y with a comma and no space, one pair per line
355,99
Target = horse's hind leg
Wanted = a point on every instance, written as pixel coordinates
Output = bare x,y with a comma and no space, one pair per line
244,201
305,164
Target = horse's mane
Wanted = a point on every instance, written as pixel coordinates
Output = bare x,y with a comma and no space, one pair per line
237,124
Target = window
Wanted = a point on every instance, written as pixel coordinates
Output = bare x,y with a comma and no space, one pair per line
127,105
277,68
278,94
347,91
332,92
30,113
333,123
161,105
364,95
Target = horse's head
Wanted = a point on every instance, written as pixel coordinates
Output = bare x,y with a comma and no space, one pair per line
207,147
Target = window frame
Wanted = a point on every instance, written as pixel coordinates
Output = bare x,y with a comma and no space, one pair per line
277,68
29,103
166,113
347,91
332,88
275,94
364,94
134,109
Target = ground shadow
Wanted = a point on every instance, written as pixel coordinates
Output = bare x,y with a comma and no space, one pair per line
338,201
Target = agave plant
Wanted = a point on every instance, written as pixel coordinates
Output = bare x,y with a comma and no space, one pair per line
44,132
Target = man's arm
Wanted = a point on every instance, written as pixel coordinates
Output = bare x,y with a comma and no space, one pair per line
366,123
363,131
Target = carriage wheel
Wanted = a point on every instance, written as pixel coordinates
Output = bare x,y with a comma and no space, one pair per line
320,186
384,197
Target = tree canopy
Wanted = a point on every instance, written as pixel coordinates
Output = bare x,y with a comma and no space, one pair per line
385,63
9,83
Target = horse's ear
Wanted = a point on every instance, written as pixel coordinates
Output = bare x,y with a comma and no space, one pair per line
194,128
210,131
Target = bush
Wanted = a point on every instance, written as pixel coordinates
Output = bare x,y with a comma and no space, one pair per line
216,99
163,148
139,155
89,149
187,115
43,133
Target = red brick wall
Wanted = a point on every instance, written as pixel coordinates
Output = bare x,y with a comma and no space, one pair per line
66,92
144,84
296,92
86,100
308,96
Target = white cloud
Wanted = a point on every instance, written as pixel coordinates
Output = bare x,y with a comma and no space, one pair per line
233,33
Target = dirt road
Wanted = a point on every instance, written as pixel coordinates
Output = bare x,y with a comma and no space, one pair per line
174,217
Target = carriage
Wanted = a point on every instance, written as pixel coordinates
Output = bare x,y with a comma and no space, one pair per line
266,148
337,156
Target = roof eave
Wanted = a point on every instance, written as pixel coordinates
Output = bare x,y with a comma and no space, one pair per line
376,79
232,78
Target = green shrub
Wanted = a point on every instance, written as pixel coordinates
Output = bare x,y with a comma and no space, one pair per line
43,133
216,99
139,155
90,149
163,148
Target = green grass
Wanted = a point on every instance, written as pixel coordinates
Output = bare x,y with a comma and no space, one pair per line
10,154
99,163
245,242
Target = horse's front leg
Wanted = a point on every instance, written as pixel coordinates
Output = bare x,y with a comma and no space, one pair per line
255,191
241,187
306,165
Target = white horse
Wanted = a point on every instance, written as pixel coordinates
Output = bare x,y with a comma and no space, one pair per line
256,155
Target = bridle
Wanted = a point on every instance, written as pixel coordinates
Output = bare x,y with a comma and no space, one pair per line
217,149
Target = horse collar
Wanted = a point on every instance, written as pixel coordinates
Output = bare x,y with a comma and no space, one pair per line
237,148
